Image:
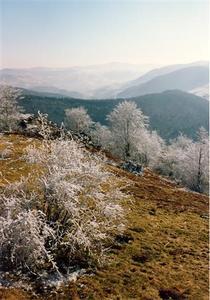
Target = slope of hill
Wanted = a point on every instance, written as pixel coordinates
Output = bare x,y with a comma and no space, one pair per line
184,79
170,112
163,253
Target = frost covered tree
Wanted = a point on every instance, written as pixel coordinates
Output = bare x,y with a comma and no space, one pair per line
195,163
126,124
149,148
188,161
78,120
9,109
101,136
171,154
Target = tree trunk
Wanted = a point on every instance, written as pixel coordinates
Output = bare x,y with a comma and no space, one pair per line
199,174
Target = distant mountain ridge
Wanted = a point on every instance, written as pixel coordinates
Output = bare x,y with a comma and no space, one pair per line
74,81
113,80
131,86
163,71
183,79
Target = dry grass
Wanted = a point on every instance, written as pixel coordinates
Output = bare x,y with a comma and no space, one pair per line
14,167
163,253
13,294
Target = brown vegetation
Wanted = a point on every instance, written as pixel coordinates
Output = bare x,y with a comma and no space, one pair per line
163,253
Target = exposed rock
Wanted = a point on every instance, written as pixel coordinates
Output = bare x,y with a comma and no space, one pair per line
124,238
39,126
152,212
142,258
172,294
204,216
132,167
138,229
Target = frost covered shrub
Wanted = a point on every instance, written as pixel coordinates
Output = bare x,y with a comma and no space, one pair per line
81,202
5,153
68,221
23,233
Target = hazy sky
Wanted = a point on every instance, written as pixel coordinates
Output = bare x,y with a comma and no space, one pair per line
79,32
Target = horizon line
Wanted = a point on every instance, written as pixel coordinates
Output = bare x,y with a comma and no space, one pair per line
107,63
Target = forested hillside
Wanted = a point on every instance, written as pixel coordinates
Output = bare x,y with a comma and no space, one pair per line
170,112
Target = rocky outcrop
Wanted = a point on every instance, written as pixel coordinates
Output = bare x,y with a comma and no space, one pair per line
39,126
132,167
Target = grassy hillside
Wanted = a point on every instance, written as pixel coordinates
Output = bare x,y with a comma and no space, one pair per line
170,112
163,253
